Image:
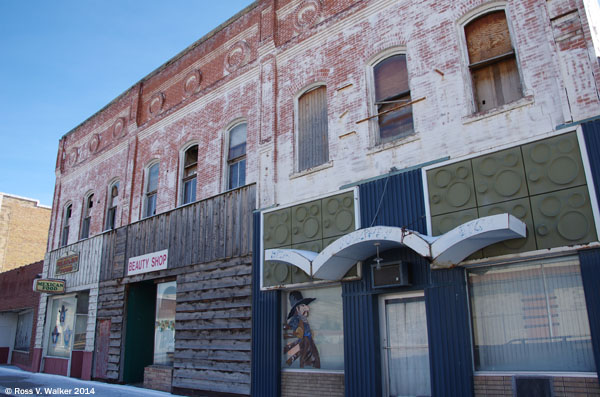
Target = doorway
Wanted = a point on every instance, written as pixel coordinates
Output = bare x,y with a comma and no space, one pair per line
404,344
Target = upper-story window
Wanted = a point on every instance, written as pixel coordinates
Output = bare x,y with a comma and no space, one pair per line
236,157
492,61
312,140
112,205
87,216
151,190
64,236
392,99
188,182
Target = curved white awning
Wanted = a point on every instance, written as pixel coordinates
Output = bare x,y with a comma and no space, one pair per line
444,251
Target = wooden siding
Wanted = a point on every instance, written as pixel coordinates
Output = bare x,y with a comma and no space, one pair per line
210,254
89,252
208,230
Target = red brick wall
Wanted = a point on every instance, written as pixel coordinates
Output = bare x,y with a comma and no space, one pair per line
563,386
16,293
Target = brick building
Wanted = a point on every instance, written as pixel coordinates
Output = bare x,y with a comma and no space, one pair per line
23,231
18,316
360,197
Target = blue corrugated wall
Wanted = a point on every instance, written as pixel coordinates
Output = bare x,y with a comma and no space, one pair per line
398,200
266,338
591,134
590,275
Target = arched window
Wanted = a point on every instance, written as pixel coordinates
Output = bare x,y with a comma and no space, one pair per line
392,98
492,61
111,205
87,216
312,140
66,219
188,181
236,157
151,190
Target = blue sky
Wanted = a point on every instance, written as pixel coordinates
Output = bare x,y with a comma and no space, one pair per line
63,60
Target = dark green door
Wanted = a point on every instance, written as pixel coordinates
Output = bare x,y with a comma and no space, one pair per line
139,334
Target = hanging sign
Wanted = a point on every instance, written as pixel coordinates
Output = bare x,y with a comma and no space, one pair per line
67,264
49,286
148,263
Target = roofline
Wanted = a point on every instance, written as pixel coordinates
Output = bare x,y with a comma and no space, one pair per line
169,62
37,202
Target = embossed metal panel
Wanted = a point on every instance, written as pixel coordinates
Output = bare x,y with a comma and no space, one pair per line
444,223
563,217
276,274
522,210
451,188
278,228
499,177
298,275
338,215
553,164
306,222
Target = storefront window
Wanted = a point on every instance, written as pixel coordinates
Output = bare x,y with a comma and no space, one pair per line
164,330
313,333
530,317
62,320
81,318
23,336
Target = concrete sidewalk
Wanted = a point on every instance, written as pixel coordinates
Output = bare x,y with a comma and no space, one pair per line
16,382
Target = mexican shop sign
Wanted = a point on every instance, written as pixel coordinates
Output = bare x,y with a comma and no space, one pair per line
151,262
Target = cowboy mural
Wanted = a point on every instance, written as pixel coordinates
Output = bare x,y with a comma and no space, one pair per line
297,328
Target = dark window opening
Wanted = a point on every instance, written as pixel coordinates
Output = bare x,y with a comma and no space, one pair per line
236,157
87,217
190,165
151,191
65,230
113,202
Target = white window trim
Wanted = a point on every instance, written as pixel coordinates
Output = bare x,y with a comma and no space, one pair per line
225,151
304,90
471,109
182,171
375,144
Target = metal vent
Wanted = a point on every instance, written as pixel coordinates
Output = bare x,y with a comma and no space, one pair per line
533,387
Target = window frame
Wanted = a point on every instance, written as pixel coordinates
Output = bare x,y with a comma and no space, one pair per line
472,16
65,224
186,179
300,94
376,139
111,207
239,159
147,194
86,216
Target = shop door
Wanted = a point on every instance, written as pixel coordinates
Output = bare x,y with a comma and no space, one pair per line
405,350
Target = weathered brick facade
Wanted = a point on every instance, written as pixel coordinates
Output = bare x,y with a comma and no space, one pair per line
23,231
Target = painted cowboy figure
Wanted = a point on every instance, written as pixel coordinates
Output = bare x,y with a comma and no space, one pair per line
297,327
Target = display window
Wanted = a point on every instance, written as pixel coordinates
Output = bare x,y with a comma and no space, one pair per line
164,329
68,324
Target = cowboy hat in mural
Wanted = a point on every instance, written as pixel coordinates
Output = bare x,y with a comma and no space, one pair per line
302,346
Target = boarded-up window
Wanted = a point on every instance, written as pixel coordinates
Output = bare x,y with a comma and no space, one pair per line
492,61
392,93
313,143
190,163
236,156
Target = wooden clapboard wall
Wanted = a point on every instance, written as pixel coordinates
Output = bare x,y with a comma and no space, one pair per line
210,253
89,252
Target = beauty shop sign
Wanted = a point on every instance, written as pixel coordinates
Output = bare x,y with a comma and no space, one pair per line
148,263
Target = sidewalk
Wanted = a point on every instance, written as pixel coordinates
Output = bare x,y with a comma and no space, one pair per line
16,382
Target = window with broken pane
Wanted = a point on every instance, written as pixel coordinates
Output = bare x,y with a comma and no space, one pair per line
190,164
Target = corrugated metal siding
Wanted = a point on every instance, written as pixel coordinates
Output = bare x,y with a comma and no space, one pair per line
449,334
266,327
402,204
398,200
591,134
590,274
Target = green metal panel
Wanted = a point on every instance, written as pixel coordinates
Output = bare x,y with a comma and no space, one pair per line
306,222
338,215
278,228
298,275
276,274
444,223
553,164
451,188
563,218
499,177
522,210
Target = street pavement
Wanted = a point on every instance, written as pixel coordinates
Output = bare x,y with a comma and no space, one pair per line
16,382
